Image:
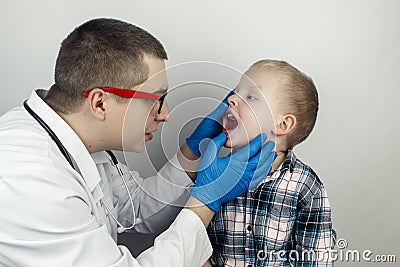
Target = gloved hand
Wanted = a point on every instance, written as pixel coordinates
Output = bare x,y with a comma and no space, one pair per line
209,127
220,180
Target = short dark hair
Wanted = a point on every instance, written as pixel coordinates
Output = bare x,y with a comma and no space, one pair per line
102,52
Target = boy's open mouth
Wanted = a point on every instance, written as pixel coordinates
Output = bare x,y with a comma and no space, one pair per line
230,122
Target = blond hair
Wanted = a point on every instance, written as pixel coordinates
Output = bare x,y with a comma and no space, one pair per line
298,96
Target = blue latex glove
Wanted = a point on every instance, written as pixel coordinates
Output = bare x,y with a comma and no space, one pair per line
209,127
220,180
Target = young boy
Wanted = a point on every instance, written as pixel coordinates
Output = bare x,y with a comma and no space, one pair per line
286,219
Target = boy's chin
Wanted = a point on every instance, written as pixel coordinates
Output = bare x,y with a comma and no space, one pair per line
228,143
235,146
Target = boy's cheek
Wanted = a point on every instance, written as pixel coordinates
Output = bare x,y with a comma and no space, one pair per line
245,135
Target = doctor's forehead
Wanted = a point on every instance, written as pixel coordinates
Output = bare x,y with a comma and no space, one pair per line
157,83
157,76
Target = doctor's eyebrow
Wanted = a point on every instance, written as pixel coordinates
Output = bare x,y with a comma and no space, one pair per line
161,91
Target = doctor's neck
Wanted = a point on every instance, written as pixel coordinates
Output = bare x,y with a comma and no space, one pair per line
90,131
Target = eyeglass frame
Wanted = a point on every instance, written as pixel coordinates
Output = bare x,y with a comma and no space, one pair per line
128,93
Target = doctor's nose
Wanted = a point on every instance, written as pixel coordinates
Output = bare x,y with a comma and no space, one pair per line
164,113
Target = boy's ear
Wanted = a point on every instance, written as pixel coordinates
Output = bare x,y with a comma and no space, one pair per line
286,125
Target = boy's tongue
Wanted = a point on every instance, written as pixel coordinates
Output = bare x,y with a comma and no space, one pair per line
230,122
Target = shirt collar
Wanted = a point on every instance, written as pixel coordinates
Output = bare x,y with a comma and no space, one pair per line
289,162
67,137
287,165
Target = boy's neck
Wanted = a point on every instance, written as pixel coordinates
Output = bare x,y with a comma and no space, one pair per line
279,160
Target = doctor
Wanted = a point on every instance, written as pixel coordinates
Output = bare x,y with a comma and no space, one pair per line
64,198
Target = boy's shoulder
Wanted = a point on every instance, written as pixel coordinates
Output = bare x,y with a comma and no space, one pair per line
294,170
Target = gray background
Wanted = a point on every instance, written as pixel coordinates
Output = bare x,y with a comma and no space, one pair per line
350,48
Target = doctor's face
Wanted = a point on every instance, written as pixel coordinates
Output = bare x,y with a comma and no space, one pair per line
143,116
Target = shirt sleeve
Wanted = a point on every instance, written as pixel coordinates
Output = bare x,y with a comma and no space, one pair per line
314,234
157,199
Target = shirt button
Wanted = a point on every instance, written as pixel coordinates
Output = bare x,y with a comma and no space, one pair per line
249,228
261,254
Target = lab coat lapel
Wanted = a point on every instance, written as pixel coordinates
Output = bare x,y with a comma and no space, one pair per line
70,140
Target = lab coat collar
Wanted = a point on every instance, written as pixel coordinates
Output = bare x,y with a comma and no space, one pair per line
100,157
69,139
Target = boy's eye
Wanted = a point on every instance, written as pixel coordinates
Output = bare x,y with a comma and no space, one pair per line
251,97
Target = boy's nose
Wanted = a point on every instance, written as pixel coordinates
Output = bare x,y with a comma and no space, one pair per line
233,100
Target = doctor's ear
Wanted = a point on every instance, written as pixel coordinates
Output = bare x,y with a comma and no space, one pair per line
286,125
96,101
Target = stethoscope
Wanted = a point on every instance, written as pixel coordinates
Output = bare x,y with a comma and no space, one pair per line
65,153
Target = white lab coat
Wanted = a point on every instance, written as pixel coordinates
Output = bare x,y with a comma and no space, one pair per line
50,214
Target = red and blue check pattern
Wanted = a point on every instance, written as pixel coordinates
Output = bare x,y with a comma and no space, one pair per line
285,221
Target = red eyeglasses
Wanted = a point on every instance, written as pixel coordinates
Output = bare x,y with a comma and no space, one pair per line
127,93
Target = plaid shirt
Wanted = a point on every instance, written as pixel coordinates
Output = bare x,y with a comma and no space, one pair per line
285,221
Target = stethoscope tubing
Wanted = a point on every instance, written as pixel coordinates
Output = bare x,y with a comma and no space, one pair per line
65,153
52,135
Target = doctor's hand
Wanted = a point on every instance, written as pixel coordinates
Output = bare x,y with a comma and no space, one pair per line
220,180
209,127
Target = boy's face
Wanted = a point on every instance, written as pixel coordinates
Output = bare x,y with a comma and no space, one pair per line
250,109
